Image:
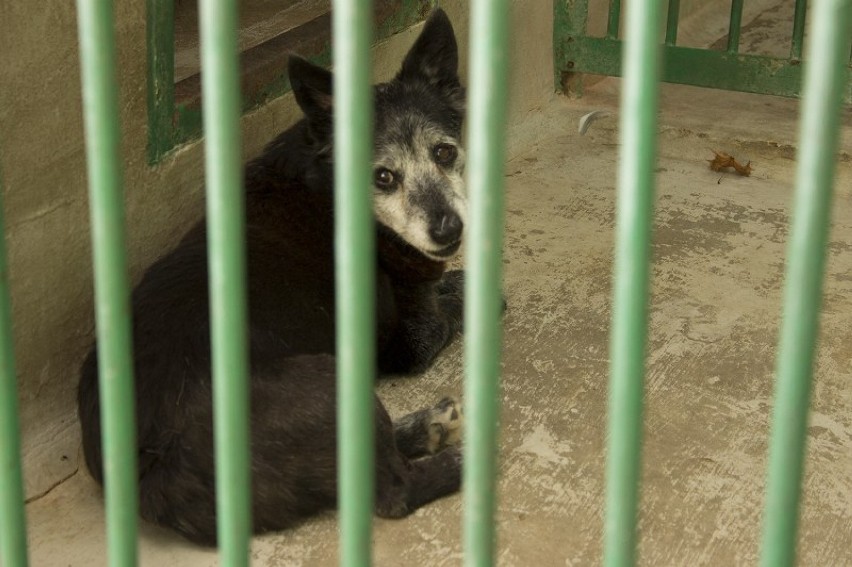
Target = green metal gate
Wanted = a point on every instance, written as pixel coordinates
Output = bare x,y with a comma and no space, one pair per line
823,91
575,52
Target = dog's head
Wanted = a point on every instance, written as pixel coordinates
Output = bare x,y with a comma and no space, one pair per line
418,161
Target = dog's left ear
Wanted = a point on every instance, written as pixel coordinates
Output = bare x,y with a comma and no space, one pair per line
435,55
312,86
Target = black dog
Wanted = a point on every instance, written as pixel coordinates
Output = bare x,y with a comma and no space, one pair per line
419,211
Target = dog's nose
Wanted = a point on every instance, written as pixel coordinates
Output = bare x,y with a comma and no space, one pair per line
448,230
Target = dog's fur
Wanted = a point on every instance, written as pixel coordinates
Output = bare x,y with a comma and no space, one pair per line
419,209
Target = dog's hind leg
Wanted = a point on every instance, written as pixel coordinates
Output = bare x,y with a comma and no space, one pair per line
430,430
403,484
434,477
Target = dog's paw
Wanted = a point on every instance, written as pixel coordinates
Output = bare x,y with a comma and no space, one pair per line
445,425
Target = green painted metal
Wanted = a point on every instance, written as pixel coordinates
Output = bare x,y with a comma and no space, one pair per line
735,25
829,45
699,67
569,22
112,307
483,290
639,103
160,38
171,123
575,53
798,29
672,18
13,529
227,273
614,19
355,271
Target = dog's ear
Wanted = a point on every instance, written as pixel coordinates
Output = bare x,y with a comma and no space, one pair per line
312,86
435,55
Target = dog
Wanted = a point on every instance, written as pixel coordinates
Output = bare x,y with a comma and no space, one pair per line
420,212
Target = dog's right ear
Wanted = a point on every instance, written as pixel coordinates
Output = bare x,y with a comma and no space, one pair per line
312,86
434,57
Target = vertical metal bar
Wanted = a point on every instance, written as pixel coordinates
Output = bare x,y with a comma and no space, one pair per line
798,29
112,308
572,17
483,290
614,19
639,102
355,276
226,249
569,21
671,22
13,529
160,43
825,78
735,25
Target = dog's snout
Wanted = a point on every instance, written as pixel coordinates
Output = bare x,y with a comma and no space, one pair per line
447,230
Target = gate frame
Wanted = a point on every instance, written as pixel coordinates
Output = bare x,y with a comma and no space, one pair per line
574,52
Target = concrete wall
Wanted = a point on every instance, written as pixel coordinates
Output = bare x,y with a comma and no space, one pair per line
44,181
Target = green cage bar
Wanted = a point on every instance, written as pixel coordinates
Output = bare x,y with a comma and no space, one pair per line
735,25
112,305
489,38
227,273
355,276
639,102
614,19
13,528
798,29
825,79
672,18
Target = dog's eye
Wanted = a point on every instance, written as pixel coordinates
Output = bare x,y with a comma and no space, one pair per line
445,154
384,178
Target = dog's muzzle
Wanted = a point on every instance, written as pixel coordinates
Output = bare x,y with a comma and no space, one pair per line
447,232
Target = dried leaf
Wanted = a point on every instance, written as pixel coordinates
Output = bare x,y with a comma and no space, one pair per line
744,170
723,161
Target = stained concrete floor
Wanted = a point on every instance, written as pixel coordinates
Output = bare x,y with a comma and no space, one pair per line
719,244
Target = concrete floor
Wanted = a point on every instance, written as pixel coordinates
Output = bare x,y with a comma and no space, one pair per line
719,254
719,246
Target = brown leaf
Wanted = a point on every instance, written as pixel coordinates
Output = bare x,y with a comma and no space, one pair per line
723,161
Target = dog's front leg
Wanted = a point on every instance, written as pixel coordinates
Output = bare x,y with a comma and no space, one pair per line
425,327
451,294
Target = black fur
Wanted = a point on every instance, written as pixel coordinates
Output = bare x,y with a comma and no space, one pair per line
289,208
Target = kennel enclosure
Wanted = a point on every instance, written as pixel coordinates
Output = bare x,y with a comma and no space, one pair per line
825,86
